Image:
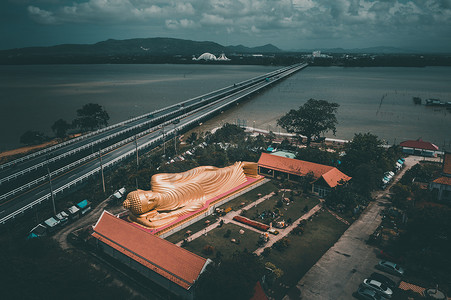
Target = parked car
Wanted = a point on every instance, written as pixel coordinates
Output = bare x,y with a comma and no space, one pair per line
390,267
383,279
379,287
368,294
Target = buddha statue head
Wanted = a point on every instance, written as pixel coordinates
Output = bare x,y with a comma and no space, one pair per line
140,202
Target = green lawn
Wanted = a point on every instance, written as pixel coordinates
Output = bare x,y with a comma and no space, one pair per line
195,227
250,196
216,239
304,250
293,211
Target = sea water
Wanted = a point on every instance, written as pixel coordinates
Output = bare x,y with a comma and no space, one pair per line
376,100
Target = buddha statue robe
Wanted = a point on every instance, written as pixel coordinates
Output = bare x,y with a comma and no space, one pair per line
174,195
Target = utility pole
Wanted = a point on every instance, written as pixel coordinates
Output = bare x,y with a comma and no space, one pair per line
101,170
137,157
164,144
137,160
51,188
175,141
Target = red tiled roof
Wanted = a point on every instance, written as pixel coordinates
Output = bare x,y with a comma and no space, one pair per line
447,163
259,293
174,263
419,144
331,175
443,180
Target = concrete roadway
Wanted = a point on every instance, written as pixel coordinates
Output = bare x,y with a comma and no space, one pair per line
339,272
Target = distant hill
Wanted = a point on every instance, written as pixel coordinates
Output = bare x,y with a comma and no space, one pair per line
131,47
369,50
261,49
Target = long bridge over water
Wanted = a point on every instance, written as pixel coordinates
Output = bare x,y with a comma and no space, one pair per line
35,178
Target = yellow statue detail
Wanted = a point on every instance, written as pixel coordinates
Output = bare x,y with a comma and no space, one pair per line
174,195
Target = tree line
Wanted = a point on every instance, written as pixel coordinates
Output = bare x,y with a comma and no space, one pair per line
90,117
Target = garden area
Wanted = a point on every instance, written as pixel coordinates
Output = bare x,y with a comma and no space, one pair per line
302,251
250,196
195,227
283,206
224,241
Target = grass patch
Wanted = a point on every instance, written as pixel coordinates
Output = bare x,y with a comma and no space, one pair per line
293,211
195,227
216,238
305,250
250,196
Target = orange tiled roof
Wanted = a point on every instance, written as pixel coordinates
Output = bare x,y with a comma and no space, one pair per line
331,175
443,180
174,263
408,286
334,176
447,163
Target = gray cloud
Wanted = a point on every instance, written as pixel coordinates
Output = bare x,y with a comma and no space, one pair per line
259,19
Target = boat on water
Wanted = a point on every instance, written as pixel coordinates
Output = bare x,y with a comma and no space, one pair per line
433,102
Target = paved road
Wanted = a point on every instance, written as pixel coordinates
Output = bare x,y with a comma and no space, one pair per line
343,267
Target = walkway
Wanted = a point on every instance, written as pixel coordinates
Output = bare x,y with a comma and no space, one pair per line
338,273
285,231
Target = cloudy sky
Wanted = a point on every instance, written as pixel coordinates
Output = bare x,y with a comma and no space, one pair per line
288,24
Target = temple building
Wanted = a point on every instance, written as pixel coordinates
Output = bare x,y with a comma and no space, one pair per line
443,184
419,147
169,266
325,177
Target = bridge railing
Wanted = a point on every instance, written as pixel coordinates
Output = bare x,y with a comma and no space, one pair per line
145,145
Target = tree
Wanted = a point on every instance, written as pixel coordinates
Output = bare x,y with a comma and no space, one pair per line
364,148
32,137
60,128
233,278
192,138
91,116
318,156
344,196
311,119
228,133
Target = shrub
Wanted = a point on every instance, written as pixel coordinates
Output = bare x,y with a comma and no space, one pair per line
278,273
228,233
270,265
282,244
266,251
208,249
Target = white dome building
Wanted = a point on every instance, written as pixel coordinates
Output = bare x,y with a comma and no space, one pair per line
211,57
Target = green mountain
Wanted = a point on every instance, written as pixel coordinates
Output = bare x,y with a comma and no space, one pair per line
140,47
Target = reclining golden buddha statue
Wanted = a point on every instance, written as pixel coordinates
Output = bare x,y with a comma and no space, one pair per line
174,195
